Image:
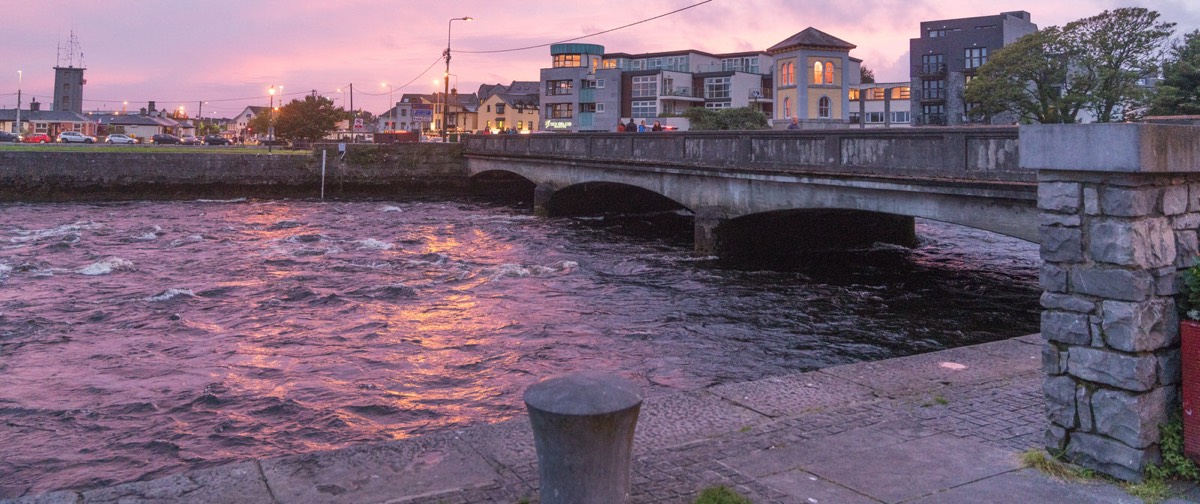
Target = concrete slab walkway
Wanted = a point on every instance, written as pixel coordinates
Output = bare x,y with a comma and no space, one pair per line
944,427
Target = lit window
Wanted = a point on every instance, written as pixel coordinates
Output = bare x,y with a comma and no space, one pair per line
818,72
900,93
823,107
787,107
567,60
854,94
829,72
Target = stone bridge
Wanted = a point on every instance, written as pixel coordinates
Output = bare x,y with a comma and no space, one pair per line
1115,208
967,176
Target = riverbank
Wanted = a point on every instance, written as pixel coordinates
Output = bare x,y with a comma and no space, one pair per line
947,426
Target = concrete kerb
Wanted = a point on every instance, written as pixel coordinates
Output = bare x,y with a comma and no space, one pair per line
480,460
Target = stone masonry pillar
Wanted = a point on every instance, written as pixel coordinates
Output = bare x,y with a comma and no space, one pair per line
706,220
1120,205
541,200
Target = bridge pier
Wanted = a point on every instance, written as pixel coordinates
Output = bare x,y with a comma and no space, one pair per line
707,219
1120,208
541,200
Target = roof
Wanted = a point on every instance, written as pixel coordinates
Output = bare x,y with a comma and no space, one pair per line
520,101
43,115
811,38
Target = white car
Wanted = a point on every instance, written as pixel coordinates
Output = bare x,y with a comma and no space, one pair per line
75,137
117,138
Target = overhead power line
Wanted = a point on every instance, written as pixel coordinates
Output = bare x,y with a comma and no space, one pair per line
676,11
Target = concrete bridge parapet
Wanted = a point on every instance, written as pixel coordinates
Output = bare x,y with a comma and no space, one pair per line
1119,210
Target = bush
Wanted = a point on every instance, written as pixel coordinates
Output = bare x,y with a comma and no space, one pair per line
720,495
742,118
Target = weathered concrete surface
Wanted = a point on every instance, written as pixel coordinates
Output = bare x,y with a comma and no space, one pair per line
869,440
142,173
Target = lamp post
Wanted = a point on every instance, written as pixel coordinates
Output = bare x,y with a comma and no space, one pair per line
446,91
20,78
391,105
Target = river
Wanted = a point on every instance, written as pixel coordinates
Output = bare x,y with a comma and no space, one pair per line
140,339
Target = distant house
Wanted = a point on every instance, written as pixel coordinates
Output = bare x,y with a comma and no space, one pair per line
241,123
140,126
503,111
50,122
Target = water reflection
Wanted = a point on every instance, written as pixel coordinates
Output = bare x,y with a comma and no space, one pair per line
254,329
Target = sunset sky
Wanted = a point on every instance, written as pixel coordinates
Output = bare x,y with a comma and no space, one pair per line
229,53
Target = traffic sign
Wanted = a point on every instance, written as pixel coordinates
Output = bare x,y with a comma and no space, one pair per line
358,123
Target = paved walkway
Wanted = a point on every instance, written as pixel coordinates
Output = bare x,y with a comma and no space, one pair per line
946,427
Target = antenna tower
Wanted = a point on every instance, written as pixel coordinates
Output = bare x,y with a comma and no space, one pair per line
74,56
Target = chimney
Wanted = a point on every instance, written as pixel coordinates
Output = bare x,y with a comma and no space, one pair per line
151,107
34,106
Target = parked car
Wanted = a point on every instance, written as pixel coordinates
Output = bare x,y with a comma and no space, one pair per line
9,137
75,137
164,139
273,141
36,138
217,140
118,138
189,140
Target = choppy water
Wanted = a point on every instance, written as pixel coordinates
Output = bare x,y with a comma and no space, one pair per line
141,339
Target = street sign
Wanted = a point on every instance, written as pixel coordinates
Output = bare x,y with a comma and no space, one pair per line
420,115
358,123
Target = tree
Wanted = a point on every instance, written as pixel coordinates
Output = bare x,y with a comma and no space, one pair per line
1032,78
1118,48
1093,63
310,119
1179,91
868,75
741,118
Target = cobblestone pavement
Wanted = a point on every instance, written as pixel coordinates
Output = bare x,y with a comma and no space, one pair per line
939,428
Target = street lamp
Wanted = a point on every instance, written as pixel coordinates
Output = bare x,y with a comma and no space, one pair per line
391,105
271,117
446,92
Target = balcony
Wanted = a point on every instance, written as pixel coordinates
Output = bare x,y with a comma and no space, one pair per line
932,70
680,93
930,120
933,95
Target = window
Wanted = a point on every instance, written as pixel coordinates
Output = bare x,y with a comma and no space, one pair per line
489,108
933,90
874,117
609,63
645,108
975,57
900,93
567,60
558,87
499,109
818,72
746,64
587,107
645,86
875,93
787,74
932,63
937,33
855,118
560,110
595,64
823,107
677,63
403,112
829,72
787,107
716,87
599,108
718,105
854,94
588,84
599,83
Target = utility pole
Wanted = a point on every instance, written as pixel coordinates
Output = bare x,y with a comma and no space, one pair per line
353,116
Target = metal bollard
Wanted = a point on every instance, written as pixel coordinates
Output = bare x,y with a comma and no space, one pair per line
583,426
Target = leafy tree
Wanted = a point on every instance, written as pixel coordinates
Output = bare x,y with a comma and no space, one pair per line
741,118
868,75
1032,78
1179,91
310,119
1117,48
260,124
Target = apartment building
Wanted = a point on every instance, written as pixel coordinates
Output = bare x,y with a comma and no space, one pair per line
880,105
590,90
947,55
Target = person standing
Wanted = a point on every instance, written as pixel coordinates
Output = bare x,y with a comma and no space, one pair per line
642,126
657,126
631,127
795,124
620,126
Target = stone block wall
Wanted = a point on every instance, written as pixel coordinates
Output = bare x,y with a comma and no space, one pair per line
1112,242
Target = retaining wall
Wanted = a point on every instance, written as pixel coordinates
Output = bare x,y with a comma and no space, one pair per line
141,173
